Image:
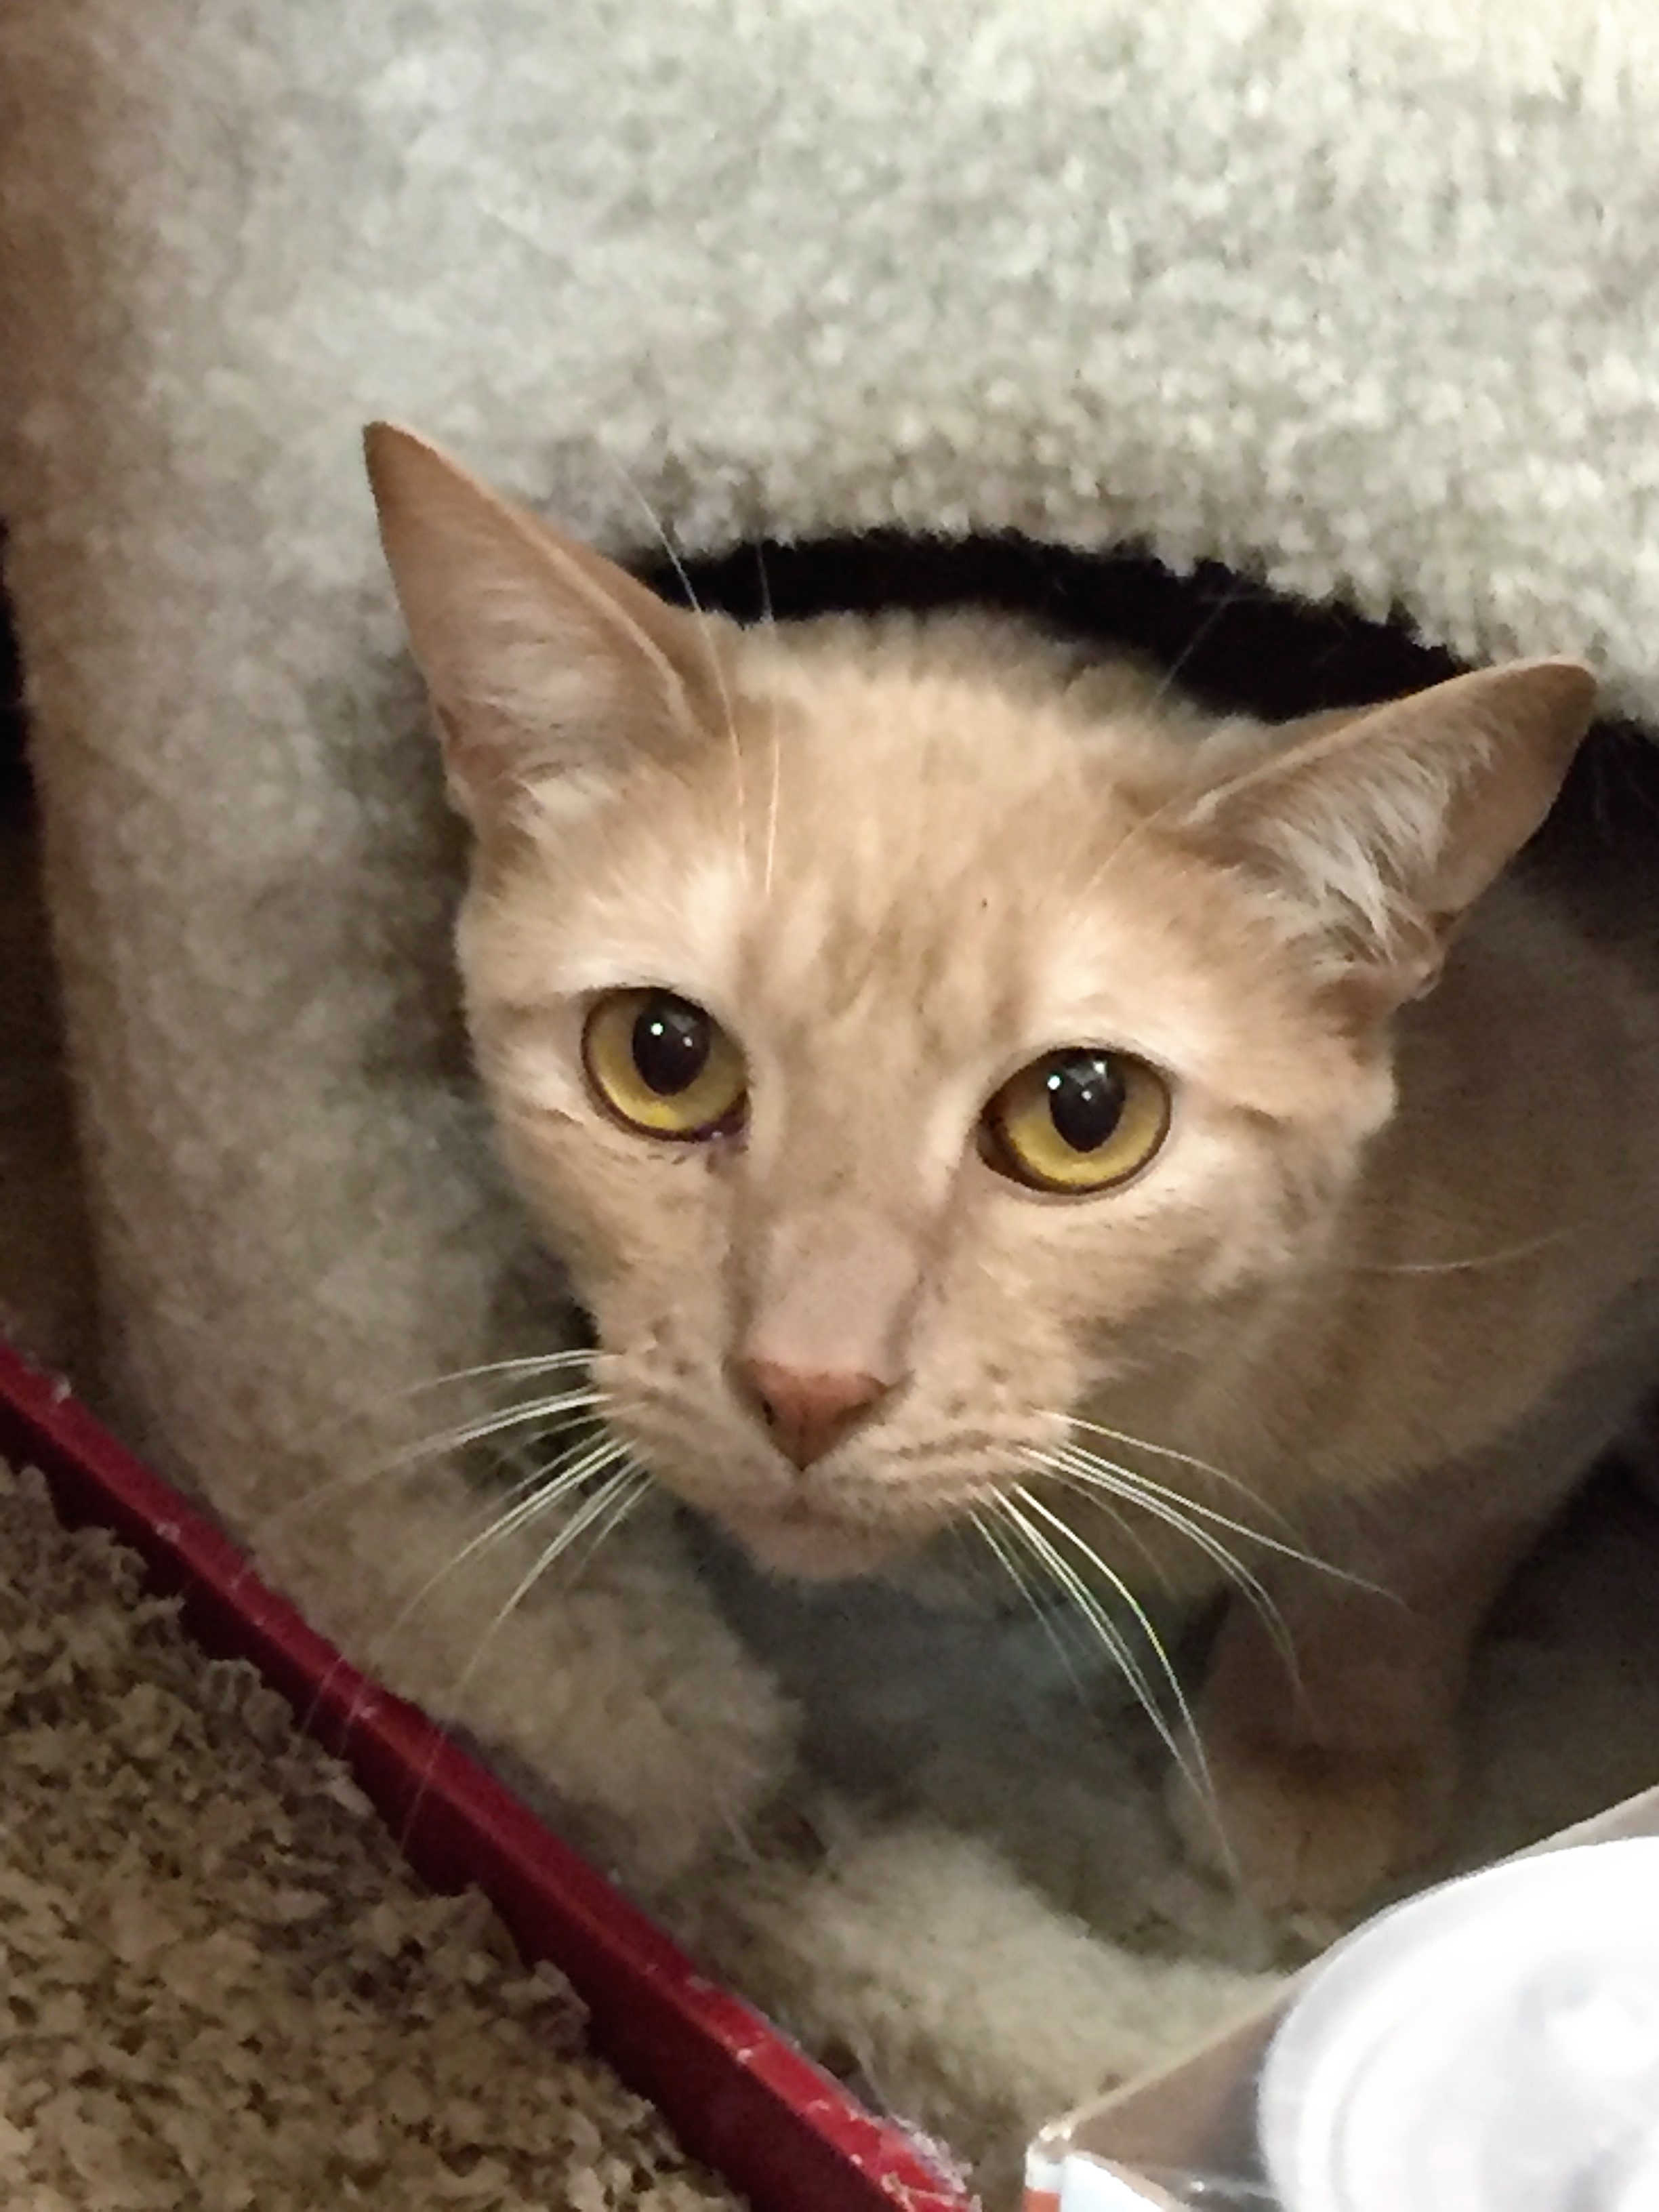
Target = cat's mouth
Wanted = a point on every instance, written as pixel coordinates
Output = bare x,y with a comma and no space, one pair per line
810,1544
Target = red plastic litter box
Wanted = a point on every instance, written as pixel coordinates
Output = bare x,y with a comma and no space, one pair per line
739,2095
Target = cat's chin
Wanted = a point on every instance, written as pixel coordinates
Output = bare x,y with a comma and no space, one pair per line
805,1546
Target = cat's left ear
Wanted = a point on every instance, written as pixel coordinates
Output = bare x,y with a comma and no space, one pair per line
1378,831
543,659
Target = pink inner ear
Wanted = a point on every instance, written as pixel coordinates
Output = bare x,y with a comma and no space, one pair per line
1386,826
469,772
539,653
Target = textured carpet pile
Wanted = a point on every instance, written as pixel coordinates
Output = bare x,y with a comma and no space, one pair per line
219,1986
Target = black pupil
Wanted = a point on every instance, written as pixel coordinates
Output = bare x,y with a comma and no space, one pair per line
670,1045
1085,1099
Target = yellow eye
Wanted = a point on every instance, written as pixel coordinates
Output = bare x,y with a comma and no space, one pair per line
663,1065
1081,1120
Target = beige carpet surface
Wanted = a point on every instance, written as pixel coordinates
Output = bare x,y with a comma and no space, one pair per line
219,1986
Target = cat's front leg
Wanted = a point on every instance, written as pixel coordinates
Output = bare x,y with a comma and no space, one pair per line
1297,1806
970,2006
616,1699
653,1737
1330,1736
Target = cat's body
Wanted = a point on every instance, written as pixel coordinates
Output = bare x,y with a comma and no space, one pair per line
1367,1270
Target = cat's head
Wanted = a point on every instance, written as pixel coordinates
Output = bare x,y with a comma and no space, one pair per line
904,1030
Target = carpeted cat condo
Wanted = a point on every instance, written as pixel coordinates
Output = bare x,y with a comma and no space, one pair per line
1356,295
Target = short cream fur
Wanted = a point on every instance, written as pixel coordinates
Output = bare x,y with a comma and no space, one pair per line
1353,294
1377,1281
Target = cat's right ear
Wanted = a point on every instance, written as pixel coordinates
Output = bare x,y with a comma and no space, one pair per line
542,659
1375,831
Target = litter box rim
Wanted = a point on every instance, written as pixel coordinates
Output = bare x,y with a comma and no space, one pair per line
739,2095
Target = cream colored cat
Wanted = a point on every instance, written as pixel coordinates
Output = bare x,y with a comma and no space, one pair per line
989,1106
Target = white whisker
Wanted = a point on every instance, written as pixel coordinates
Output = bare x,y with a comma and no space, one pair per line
623,1490
1019,1509
1504,1256
1132,1443
1008,1558
768,620
1145,1488
538,1493
773,796
705,632
1187,1747
630,1482
468,1433
348,1483
1094,1481
1104,1500
1116,1582
609,1523
1236,591
542,1362
532,1363
1090,1473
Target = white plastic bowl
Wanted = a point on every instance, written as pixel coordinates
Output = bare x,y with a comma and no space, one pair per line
1491,2046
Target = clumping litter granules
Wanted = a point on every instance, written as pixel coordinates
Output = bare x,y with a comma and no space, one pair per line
219,1986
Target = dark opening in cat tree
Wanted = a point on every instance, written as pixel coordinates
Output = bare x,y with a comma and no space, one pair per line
1230,641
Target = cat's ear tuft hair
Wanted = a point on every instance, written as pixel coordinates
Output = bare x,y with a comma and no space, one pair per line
1378,829
542,659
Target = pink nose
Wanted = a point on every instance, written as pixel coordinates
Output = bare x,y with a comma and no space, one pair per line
809,1412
